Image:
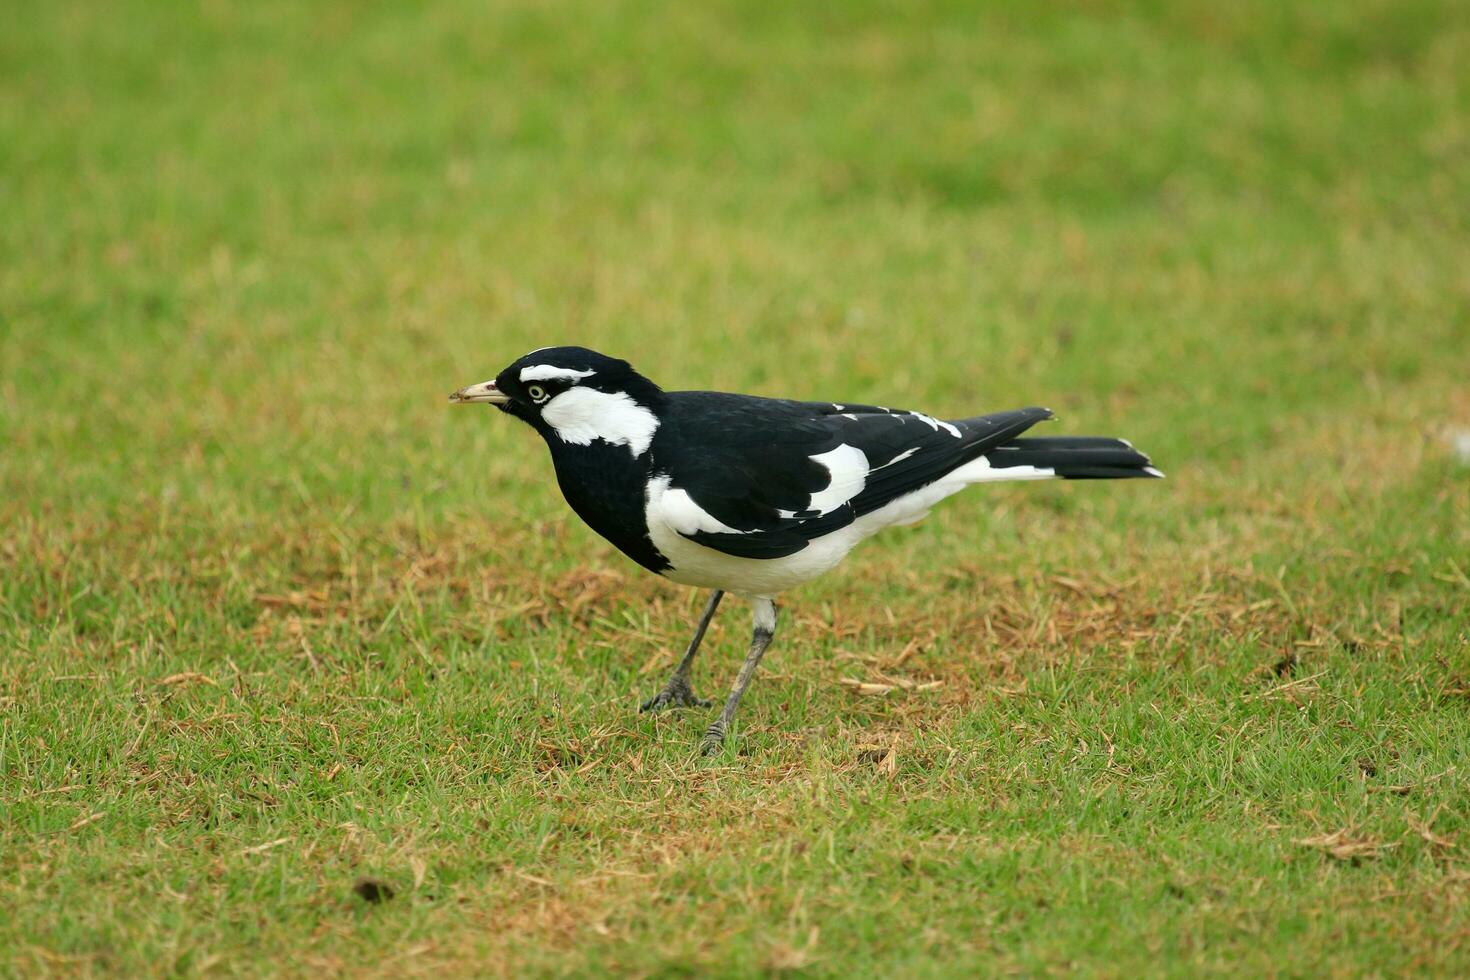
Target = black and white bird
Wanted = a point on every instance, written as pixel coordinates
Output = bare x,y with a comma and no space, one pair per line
753,496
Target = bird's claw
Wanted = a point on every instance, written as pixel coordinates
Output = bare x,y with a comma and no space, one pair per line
713,741
676,695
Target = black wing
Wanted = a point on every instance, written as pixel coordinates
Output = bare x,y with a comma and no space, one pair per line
749,462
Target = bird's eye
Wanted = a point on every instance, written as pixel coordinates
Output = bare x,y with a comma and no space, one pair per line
537,393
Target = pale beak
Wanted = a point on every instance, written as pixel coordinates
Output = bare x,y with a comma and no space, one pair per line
485,391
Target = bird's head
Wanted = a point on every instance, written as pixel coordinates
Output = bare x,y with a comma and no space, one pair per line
575,396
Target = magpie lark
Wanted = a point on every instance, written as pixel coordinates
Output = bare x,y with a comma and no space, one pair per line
755,495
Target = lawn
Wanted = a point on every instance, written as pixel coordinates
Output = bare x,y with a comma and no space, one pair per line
282,632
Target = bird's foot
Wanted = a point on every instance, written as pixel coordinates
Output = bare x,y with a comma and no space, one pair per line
714,739
676,695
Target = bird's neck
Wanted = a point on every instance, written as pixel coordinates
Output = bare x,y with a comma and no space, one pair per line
605,484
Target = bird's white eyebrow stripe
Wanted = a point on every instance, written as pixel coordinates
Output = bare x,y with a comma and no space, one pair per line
550,372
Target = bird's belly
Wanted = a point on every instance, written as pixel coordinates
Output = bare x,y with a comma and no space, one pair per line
694,564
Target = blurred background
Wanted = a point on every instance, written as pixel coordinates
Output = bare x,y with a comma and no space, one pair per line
248,248
255,571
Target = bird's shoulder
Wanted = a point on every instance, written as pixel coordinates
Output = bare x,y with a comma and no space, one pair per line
719,418
743,458
711,419
718,427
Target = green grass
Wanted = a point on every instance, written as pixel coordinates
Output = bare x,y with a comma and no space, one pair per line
274,617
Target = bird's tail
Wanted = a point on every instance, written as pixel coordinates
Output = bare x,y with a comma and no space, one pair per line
1070,458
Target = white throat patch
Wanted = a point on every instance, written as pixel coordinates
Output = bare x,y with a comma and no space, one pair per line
580,415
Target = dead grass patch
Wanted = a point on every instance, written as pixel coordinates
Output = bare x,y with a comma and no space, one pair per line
1345,845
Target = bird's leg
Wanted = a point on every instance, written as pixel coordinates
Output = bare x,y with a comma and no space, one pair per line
765,628
677,693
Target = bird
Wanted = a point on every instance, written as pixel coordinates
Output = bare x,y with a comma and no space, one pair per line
753,496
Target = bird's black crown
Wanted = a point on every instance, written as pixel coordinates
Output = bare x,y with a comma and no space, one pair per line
535,378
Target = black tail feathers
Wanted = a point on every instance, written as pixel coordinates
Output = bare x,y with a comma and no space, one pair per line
1076,457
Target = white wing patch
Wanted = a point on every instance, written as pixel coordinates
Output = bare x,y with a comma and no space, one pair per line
849,469
929,420
549,372
679,511
580,415
897,459
936,424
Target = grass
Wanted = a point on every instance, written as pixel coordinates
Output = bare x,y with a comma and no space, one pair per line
275,619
